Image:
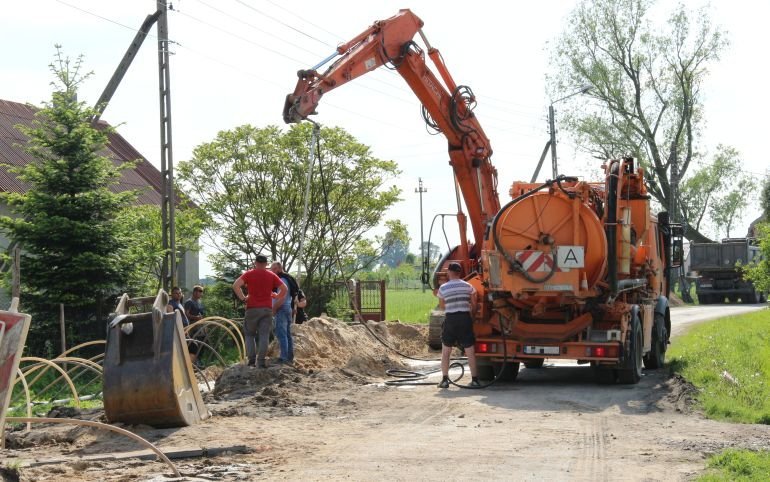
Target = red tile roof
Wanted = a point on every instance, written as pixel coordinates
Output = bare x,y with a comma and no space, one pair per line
144,177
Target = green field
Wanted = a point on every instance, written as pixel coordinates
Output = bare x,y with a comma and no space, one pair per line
728,360
409,306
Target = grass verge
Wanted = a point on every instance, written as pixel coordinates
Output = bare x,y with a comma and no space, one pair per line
411,306
728,360
738,465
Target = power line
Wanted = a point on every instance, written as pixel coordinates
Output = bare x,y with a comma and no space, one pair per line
303,19
258,29
282,22
105,18
239,37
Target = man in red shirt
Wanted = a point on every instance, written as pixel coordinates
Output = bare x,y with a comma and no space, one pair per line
260,283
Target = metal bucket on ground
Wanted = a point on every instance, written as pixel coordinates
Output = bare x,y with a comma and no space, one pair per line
148,376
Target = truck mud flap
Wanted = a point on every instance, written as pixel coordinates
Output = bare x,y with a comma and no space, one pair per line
148,376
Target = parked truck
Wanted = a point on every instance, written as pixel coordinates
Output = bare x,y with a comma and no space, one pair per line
567,269
718,271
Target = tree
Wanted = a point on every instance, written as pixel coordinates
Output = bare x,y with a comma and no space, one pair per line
765,199
648,86
66,222
432,252
399,251
142,224
251,184
759,273
721,186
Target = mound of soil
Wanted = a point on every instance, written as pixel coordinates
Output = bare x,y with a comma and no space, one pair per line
323,343
681,394
329,355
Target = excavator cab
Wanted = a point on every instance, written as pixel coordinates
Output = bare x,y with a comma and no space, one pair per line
148,376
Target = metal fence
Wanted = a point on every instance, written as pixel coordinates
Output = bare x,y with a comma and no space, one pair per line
366,298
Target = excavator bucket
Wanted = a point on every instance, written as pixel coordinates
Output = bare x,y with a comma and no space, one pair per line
148,376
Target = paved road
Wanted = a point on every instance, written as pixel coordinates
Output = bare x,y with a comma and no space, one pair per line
682,317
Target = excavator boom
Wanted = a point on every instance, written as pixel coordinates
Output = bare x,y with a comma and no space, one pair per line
447,107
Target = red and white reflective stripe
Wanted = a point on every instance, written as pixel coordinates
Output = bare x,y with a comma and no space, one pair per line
534,261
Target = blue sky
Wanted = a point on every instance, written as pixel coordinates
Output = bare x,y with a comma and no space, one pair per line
234,62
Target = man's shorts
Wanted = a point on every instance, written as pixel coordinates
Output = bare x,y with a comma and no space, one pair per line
458,330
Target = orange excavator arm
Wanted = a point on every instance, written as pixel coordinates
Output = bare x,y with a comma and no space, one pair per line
447,107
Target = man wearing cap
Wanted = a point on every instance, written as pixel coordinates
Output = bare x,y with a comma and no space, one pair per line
458,300
260,283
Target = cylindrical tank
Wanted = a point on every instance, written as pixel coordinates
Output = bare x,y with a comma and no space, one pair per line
548,226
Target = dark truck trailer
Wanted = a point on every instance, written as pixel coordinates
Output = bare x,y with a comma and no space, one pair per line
719,275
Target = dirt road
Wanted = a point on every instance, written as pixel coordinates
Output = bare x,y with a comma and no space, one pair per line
553,423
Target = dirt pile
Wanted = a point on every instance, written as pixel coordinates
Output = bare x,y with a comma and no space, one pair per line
323,343
330,356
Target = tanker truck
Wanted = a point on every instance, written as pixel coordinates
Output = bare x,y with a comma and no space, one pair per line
567,269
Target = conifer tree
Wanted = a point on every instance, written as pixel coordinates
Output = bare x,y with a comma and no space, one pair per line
65,222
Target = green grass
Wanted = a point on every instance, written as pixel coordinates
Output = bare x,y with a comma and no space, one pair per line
738,465
410,306
738,345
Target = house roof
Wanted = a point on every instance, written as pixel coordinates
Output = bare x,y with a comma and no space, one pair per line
144,177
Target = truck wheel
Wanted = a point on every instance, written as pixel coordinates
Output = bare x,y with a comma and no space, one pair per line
750,297
535,363
605,376
657,355
632,366
435,323
509,373
704,299
485,371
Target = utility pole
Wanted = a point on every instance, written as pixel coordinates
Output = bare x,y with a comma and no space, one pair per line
420,189
551,144
168,274
552,128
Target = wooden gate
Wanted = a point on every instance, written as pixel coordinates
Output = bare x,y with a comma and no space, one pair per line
366,298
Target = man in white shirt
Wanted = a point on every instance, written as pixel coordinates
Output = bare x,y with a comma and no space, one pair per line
458,299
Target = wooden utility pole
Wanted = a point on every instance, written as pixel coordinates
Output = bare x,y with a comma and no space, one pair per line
168,273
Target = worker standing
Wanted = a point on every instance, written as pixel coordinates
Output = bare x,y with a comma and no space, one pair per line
458,299
260,283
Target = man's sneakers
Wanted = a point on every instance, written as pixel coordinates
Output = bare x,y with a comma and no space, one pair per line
444,383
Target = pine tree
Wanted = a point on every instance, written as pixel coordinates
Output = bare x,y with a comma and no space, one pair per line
66,222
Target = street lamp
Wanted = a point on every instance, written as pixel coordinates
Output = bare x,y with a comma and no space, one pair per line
421,190
552,141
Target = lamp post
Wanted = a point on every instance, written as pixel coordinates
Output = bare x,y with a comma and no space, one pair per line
552,141
421,190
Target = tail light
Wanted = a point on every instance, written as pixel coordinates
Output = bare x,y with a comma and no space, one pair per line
604,351
484,347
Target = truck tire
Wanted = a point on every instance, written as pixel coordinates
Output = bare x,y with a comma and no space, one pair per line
507,371
631,372
657,355
534,363
749,298
704,299
435,323
604,375
485,372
